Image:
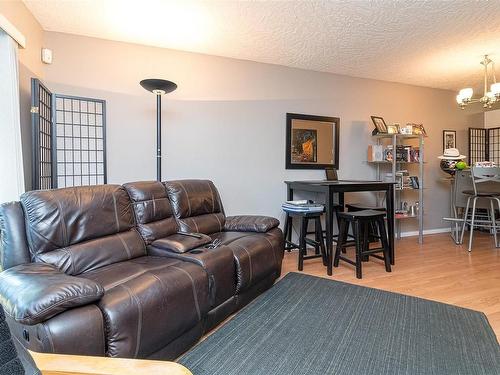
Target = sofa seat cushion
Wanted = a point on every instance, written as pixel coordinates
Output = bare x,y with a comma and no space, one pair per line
149,302
256,255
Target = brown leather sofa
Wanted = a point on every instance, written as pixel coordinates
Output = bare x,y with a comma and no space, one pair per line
129,271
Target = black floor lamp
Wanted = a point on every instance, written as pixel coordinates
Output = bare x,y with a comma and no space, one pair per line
158,87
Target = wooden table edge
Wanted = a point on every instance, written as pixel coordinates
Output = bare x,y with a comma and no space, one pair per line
63,364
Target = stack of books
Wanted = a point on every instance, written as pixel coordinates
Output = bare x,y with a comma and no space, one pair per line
302,206
386,153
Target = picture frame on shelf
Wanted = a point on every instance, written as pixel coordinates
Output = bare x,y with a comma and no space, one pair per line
449,139
406,129
393,129
418,129
380,125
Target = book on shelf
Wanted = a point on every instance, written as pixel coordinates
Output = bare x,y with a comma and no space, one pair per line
403,181
414,182
375,153
403,153
388,153
415,155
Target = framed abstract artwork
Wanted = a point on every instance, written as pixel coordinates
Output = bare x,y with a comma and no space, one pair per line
312,142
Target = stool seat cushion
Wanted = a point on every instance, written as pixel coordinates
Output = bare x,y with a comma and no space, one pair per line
361,207
482,193
363,214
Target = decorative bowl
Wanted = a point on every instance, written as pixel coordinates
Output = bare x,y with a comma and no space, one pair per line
449,166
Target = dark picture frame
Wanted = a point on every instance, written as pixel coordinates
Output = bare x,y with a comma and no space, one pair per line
449,139
380,125
294,135
331,174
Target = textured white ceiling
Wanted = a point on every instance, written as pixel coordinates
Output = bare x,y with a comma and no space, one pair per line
428,43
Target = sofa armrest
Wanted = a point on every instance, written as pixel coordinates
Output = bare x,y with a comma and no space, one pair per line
34,292
179,243
248,223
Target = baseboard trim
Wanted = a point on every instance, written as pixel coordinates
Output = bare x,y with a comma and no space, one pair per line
426,231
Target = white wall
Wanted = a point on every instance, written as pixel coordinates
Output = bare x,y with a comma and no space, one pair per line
30,65
226,121
492,119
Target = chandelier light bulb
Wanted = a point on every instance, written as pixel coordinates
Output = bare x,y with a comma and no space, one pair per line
459,99
466,93
495,89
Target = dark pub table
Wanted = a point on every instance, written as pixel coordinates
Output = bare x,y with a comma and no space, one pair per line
330,188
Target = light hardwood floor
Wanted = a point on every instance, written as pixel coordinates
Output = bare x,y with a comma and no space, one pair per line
437,270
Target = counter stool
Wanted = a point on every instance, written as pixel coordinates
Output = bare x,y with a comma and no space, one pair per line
354,207
361,222
317,242
486,183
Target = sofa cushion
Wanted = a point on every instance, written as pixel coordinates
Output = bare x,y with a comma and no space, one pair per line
250,223
152,209
93,254
179,243
257,255
73,227
34,292
148,302
197,205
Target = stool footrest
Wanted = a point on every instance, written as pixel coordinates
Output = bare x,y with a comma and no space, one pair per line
347,260
372,251
311,242
290,245
312,256
348,243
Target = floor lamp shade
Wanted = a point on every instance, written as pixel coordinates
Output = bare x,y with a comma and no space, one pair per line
158,87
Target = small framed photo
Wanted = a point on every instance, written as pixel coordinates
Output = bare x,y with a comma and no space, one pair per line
406,129
393,129
419,129
449,139
380,124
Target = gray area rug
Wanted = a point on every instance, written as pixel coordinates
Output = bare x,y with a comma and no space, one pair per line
311,325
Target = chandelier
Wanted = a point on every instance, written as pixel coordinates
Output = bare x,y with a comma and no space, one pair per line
490,97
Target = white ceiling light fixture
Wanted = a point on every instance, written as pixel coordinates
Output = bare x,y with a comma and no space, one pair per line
490,96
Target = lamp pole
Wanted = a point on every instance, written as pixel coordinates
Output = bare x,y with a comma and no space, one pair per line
158,137
158,87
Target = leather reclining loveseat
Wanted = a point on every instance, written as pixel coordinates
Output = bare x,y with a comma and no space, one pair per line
141,270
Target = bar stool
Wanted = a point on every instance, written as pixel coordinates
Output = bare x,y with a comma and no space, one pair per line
361,222
486,185
317,242
353,207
